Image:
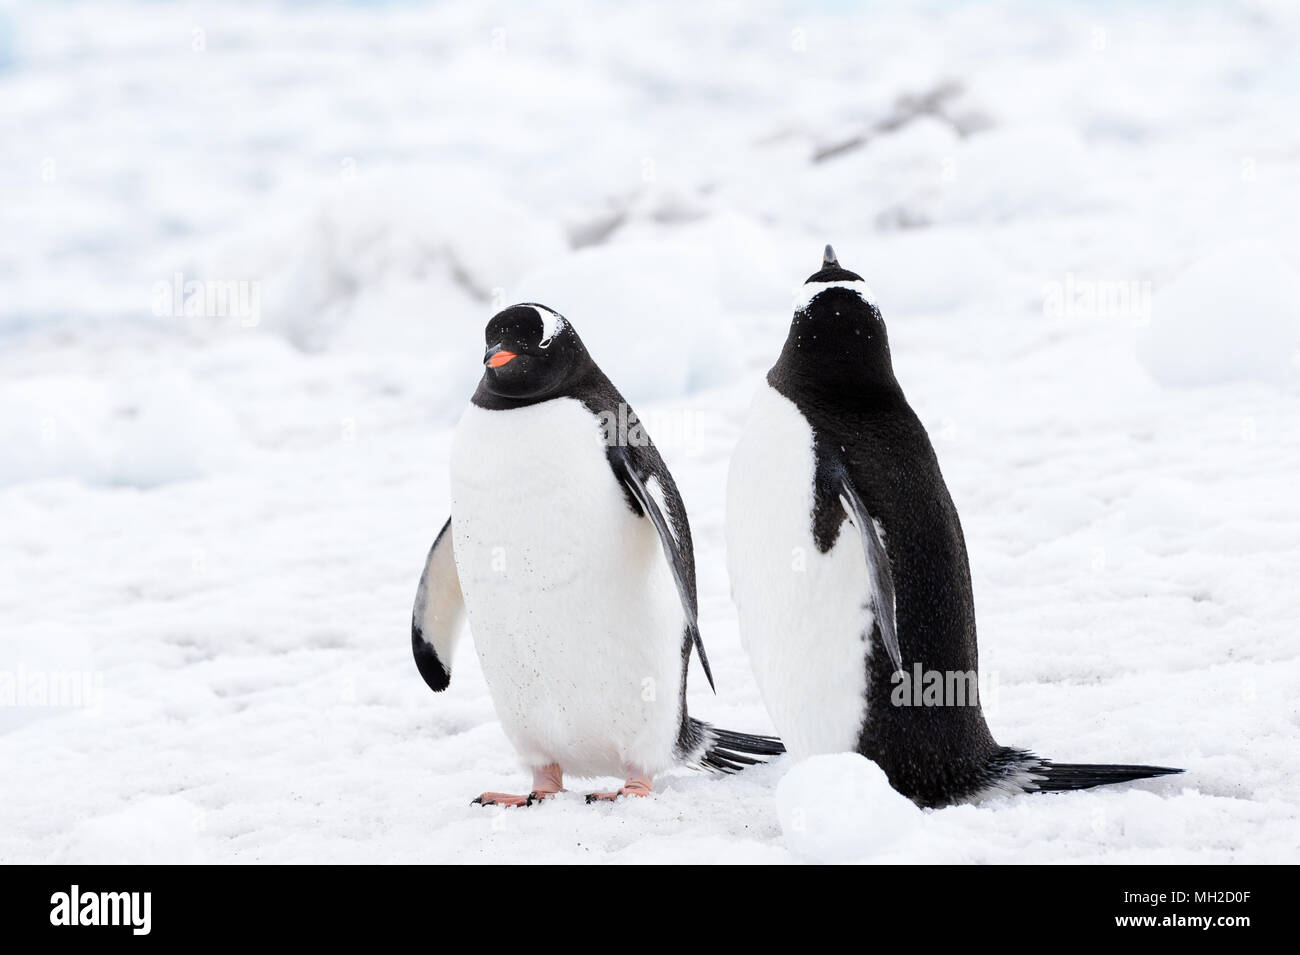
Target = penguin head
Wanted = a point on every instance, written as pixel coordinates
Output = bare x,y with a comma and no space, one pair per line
532,351
837,334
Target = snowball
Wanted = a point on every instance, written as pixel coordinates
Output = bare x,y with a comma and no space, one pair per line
841,808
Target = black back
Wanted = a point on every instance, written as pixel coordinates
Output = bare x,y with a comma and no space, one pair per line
837,370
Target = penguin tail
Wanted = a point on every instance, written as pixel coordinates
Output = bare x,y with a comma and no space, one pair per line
1016,770
1062,777
723,751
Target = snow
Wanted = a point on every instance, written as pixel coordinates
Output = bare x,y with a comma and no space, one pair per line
143,432
151,831
638,307
216,524
1246,290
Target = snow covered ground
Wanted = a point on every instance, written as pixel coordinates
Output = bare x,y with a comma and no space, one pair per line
1081,223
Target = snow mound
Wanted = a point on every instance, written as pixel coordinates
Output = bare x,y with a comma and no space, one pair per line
841,808
1233,315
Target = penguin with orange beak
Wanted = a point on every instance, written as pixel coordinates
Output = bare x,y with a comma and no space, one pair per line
569,549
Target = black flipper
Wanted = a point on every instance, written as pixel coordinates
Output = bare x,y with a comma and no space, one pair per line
1062,777
627,473
882,579
438,613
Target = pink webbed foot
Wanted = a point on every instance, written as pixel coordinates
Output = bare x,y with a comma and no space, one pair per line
633,787
503,799
547,781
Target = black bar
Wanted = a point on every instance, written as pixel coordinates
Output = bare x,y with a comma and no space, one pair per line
1036,905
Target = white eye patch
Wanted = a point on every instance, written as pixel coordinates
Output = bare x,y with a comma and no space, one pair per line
552,322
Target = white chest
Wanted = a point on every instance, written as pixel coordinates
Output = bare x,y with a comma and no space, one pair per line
573,612
803,614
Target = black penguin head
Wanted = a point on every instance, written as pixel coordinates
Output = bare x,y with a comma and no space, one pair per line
532,354
837,337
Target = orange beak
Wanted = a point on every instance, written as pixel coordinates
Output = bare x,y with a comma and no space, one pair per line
497,359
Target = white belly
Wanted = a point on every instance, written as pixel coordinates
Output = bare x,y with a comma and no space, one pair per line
571,604
803,614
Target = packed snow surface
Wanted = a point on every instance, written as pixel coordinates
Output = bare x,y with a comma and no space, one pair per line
246,259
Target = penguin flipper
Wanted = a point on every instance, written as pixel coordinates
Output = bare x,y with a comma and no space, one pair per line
438,613
627,473
882,579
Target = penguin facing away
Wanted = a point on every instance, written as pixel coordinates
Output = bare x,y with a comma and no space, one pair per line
848,566
569,549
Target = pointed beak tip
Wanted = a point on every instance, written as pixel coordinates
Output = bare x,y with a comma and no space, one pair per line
498,357
828,257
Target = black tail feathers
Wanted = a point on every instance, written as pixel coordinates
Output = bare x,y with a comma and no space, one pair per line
1018,770
1062,777
722,751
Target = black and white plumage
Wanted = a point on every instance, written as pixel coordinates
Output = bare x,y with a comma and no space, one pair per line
848,564
569,547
